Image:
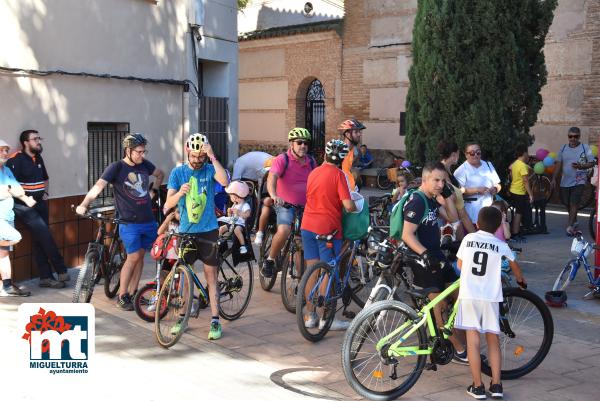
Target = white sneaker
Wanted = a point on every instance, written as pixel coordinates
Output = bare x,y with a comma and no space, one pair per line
258,238
336,325
243,250
311,320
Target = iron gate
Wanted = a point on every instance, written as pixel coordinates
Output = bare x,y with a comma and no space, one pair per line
315,118
213,120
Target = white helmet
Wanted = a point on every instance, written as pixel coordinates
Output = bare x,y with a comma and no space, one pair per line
195,141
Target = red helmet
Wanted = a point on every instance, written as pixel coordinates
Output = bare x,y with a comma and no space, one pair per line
556,299
350,125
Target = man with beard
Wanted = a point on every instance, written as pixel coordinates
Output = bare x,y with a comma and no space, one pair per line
191,188
130,178
351,132
29,170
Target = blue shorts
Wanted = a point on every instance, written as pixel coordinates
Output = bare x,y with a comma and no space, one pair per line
284,215
136,236
314,249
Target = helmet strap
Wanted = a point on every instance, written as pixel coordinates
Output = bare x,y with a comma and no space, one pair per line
350,138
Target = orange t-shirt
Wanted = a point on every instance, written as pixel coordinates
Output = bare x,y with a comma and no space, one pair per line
325,190
347,166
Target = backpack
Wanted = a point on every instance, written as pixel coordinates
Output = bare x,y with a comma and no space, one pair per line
286,161
397,217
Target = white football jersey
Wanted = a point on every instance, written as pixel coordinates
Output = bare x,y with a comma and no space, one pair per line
481,255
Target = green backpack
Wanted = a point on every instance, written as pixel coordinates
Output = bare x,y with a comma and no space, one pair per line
397,217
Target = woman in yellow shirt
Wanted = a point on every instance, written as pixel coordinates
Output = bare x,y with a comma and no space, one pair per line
520,190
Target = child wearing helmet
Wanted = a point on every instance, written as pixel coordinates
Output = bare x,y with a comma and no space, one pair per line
237,213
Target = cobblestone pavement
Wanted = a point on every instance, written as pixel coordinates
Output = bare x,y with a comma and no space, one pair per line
262,356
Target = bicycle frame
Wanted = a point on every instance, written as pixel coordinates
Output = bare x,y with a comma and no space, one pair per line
425,317
588,270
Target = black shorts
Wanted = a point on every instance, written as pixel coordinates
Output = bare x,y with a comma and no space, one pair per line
571,195
424,278
204,251
521,203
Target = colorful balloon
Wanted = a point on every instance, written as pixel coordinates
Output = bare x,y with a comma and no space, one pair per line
406,164
594,149
539,168
550,169
548,161
552,155
541,153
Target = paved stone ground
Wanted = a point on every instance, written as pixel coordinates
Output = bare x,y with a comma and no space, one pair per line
262,356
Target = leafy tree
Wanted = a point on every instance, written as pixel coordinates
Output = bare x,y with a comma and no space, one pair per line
242,4
478,68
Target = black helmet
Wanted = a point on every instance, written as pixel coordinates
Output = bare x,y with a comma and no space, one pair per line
557,299
335,151
133,140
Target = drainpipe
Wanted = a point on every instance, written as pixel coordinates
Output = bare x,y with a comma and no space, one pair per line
185,119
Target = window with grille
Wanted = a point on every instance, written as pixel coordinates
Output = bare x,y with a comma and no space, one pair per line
104,147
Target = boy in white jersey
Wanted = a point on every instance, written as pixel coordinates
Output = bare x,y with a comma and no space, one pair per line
480,260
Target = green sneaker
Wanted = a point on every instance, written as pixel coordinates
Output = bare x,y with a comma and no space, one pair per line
215,331
177,327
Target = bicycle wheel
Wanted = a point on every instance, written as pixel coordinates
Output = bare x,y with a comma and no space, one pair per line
145,303
382,179
566,275
291,273
592,224
527,332
371,373
176,294
266,283
112,279
235,288
541,187
316,302
84,286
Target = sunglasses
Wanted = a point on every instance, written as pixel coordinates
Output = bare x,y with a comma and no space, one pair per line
474,153
573,136
300,143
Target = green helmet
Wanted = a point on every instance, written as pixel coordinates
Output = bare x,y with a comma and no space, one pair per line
299,133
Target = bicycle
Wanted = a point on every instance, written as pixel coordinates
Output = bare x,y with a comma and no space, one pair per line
581,249
290,261
390,335
384,181
322,286
101,261
379,209
176,295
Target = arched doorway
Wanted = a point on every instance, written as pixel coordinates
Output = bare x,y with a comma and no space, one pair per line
315,117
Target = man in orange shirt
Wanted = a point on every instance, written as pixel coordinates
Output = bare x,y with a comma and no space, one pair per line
351,131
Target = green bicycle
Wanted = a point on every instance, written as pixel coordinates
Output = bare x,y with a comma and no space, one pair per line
386,347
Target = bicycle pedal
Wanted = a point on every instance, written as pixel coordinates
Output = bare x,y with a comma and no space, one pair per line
349,314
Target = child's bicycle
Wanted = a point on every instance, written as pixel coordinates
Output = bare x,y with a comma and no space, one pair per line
581,249
387,345
176,295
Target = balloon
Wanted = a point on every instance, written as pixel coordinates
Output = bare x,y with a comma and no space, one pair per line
594,149
405,164
548,161
550,169
541,153
539,168
553,155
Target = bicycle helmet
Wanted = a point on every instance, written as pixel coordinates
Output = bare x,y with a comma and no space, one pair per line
195,141
238,188
299,133
350,125
133,140
556,299
335,151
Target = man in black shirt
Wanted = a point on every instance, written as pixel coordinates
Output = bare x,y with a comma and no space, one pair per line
29,169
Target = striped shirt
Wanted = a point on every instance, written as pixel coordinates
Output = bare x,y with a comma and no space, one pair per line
30,172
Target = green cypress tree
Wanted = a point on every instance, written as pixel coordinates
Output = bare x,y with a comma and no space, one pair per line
477,72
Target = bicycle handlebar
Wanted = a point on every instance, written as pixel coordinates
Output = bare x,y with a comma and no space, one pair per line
96,214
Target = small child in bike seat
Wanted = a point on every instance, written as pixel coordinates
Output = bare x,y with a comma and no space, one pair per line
402,180
479,258
237,213
170,225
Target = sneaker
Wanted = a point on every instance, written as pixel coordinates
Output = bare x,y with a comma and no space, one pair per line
477,392
570,231
268,268
13,291
258,238
336,325
64,277
310,321
51,283
460,358
496,391
124,302
195,307
176,329
243,250
215,331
